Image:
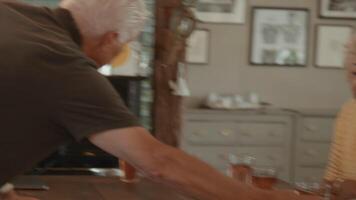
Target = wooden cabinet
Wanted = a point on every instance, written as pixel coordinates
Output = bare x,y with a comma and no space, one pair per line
296,143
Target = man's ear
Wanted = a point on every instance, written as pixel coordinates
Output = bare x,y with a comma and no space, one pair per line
109,38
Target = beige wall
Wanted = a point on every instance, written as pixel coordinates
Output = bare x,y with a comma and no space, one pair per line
229,71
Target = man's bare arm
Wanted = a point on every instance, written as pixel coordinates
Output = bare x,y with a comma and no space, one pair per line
173,167
348,190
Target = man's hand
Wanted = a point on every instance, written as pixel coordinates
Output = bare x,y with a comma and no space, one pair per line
291,195
347,190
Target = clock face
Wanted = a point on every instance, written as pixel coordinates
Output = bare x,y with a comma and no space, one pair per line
182,22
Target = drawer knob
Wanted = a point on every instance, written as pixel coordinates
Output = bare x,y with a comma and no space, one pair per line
311,128
223,157
198,133
311,153
281,169
273,134
246,134
271,158
225,132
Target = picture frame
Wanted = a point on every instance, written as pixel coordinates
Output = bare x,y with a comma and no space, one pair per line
330,41
47,3
342,9
279,37
221,11
198,47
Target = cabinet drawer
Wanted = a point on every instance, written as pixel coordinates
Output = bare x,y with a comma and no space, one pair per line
313,154
266,157
210,133
317,129
264,134
273,157
309,174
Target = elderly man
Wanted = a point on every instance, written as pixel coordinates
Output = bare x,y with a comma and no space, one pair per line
342,164
51,93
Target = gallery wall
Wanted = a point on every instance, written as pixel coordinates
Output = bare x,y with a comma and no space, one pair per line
229,70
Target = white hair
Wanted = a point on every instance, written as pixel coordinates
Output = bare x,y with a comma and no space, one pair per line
97,17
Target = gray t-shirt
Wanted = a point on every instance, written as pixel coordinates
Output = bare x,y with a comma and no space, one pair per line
50,92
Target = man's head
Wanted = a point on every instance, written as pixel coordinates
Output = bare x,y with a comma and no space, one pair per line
106,25
350,63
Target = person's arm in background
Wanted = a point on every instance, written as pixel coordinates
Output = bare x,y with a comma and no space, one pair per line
333,167
343,189
332,171
177,169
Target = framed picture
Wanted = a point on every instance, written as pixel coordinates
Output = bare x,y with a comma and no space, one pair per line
279,36
197,51
49,3
338,8
221,11
330,45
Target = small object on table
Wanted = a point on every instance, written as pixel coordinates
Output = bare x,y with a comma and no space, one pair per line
264,178
129,172
231,102
4,189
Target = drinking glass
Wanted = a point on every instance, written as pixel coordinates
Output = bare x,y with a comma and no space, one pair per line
241,168
129,172
265,178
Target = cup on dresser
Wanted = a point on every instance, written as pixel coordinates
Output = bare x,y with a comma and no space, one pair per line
129,174
265,178
241,168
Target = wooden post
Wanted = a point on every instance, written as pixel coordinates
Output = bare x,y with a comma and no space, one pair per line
167,107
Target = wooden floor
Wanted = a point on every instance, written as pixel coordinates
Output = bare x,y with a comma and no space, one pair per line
101,188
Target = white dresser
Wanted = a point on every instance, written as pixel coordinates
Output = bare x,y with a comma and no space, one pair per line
265,135
297,144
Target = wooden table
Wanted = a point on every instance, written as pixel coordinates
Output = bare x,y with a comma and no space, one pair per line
107,188
101,188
